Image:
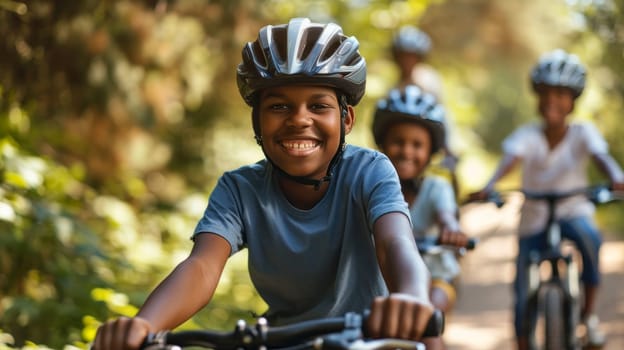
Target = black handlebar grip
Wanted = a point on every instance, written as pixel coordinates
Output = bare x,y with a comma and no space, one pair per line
424,245
435,326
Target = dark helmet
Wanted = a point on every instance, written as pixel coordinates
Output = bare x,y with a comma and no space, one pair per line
302,52
412,39
559,68
410,105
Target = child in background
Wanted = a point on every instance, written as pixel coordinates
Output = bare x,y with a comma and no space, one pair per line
325,224
408,127
410,49
554,155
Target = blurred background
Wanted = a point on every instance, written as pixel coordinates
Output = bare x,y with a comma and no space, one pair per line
117,117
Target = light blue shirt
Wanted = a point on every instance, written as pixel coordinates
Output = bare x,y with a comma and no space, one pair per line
309,263
435,195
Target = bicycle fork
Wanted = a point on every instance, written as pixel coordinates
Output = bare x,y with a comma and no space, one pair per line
569,286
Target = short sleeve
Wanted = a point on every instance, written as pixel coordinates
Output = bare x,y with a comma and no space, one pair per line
517,142
222,215
593,139
382,190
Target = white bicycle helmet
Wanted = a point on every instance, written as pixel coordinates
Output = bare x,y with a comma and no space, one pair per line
559,68
302,52
412,39
411,105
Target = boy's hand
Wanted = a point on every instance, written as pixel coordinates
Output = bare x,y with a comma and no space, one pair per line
453,238
617,186
400,316
123,333
479,195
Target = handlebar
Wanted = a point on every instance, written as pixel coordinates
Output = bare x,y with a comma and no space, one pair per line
491,197
432,246
337,333
598,194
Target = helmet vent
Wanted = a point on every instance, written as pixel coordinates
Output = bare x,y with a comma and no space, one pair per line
331,48
309,38
279,36
258,54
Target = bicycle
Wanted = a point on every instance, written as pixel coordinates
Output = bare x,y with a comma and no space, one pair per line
553,303
444,258
332,333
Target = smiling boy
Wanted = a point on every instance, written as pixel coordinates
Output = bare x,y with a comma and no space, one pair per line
325,224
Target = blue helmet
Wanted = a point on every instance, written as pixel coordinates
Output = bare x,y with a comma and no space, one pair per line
410,105
559,68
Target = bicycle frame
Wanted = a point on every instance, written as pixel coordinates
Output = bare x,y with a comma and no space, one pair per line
558,296
560,293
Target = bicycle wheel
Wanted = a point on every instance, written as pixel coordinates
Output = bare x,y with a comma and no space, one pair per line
554,323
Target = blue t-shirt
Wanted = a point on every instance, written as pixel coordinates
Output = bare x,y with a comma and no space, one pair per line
308,263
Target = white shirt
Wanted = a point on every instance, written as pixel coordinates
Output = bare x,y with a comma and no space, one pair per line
561,169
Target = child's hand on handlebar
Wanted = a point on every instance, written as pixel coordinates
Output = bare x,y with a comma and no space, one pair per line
398,315
617,186
122,333
479,195
453,238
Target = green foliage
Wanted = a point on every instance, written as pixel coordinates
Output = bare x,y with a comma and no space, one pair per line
604,40
48,252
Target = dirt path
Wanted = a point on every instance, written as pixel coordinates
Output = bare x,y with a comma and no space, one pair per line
482,318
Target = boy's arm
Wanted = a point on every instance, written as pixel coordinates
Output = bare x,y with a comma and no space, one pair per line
446,216
611,169
450,230
402,266
188,288
505,166
404,314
